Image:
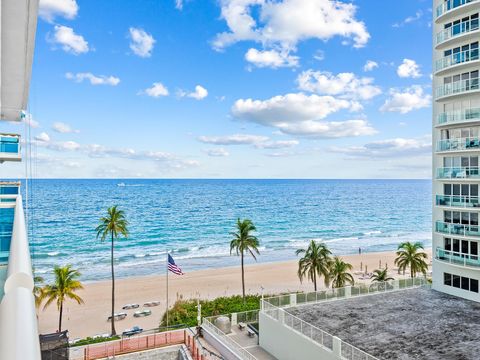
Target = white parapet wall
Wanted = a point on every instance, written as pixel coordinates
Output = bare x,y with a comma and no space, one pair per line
283,343
18,320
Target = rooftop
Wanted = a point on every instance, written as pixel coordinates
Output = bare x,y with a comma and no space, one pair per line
411,324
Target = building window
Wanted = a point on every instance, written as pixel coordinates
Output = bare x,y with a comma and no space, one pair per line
461,282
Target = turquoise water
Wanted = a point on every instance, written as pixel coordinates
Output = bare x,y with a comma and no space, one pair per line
193,219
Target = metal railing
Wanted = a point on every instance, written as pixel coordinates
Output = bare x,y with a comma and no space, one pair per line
456,58
457,258
448,5
469,143
457,201
457,229
457,30
472,114
458,172
457,87
231,344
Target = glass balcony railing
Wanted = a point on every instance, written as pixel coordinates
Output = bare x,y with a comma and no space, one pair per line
9,188
9,144
450,5
457,201
457,229
458,144
457,258
458,172
457,87
455,59
457,30
472,114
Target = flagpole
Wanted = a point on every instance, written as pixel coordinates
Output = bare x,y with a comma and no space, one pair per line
167,289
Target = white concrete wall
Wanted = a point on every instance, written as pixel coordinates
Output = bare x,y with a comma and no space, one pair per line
440,267
223,349
287,344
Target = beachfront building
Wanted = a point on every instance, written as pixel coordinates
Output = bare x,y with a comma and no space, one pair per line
456,147
18,323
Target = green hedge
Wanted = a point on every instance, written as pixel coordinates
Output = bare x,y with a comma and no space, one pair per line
89,340
185,311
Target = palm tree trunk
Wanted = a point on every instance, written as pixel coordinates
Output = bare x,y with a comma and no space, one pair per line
243,278
315,280
113,291
60,317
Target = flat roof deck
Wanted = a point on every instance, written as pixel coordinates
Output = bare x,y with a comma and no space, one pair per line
409,324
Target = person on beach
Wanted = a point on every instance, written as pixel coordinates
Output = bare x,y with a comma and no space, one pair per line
359,251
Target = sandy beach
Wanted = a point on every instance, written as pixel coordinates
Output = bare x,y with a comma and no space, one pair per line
91,318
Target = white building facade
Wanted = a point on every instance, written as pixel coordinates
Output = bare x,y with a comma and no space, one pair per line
456,147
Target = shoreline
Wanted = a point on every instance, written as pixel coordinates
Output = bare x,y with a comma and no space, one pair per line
268,277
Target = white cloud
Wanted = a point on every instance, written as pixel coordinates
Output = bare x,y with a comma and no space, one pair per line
94,79
271,58
236,139
69,41
141,43
345,85
43,137
287,22
63,128
200,93
409,69
179,4
300,114
319,55
409,99
279,144
390,148
156,90
50,9
370,65
217,152
410,19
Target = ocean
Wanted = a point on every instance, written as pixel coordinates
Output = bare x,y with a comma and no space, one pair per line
193,220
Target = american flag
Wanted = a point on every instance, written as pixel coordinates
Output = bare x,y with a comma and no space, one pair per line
173,267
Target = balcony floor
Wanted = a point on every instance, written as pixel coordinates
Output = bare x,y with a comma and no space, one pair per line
408,325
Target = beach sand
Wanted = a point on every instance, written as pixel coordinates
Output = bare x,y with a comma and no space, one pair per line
279,277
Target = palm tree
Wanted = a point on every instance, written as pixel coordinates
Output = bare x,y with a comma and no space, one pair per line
64,287
114,224
316,261
339,273
408,254
37,289
380,275
244,242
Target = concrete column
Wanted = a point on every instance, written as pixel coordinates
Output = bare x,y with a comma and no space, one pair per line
293,299
234,319
337,347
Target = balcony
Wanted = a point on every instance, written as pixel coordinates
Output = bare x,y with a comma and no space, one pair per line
457,229
457,88
10,149
457,201
457,30
9,187
464,57
450,5
461,144
458,116
457,258
452,173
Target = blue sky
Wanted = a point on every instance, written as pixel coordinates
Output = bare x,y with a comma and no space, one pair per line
232,89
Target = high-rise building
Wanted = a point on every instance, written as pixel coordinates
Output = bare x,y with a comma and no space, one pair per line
18,321
456,147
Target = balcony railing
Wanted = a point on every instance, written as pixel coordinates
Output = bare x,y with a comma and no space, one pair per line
471,143
472,114
450,5
456,58
458,172
457,30
457,201
457,229
9,147
457,87
9,187
457,258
